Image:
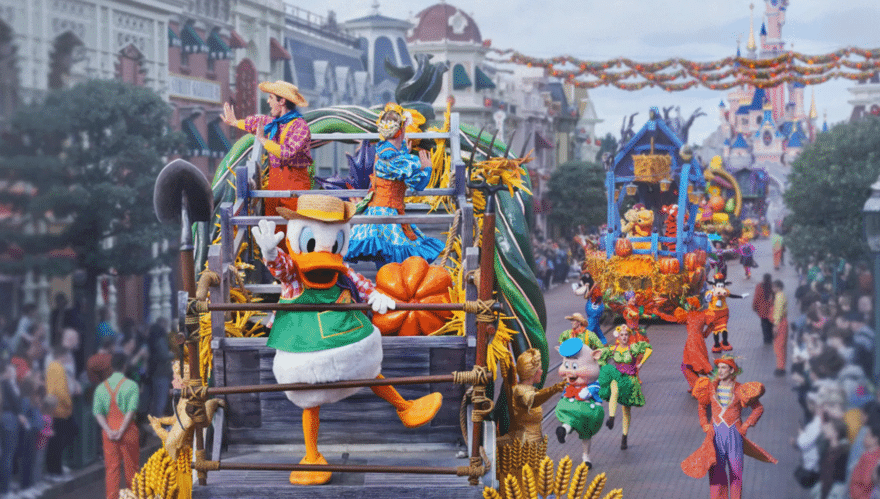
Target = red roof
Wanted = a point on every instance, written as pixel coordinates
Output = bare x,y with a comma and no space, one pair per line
445,22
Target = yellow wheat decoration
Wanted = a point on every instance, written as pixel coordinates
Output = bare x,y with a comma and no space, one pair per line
161,478
544,486
563,473
595,489
512,489
441,169
529,485
578,482
545,477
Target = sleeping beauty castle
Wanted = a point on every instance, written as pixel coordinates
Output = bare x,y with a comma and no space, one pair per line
763,130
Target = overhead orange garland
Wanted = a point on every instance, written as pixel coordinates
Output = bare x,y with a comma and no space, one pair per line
681,74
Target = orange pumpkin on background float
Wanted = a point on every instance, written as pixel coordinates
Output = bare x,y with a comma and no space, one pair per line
668,265
623,247
716,203
413,281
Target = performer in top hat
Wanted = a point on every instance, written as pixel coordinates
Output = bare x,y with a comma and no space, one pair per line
725,441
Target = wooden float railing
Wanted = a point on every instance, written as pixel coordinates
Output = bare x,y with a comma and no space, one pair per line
473,377
473,307
203,466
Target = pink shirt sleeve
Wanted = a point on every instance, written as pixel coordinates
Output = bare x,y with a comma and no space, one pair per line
251,123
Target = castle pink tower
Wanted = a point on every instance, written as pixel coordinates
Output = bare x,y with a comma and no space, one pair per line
772,46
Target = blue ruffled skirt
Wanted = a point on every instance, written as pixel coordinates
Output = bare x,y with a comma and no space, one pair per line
385,243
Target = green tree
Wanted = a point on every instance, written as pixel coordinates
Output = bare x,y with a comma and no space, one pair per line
609,145
577,190
828,186
89,156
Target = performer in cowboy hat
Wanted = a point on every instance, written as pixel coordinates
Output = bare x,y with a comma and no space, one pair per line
286,137
580,329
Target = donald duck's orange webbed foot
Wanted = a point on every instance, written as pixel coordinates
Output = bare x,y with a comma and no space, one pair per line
421,410
311,477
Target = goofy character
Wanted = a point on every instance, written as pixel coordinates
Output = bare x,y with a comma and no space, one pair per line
717,312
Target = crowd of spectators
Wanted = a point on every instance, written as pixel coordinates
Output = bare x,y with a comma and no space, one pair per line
832,361
45,376
556,261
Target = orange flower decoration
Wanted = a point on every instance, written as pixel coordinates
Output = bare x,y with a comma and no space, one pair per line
413,281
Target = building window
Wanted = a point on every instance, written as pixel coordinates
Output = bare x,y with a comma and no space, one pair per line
66,51
383,49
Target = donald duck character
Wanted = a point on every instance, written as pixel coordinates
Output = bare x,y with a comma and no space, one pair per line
329,346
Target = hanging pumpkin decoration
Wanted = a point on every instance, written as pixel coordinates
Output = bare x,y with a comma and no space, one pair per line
413,281
623,247
668,265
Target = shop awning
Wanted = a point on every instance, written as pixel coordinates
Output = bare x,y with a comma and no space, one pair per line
542,142
217,48
194,139
277,52
483,80
191,40
217,141
173,39
236,41
460,78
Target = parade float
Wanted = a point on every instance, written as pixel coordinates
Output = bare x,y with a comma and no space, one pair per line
652,247
720,209
454,333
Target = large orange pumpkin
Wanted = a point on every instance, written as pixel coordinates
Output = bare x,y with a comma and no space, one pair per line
668,265
623,247
413,281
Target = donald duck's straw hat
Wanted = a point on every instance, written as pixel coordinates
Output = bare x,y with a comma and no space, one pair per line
321,208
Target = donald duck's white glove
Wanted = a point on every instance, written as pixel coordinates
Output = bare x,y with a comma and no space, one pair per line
267,239
381,303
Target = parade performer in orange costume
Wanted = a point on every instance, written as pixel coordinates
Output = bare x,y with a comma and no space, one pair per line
718,313
726,441
285,135
695,358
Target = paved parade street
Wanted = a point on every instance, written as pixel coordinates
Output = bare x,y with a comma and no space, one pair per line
666,430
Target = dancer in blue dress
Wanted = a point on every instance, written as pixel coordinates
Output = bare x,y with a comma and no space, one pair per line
395,170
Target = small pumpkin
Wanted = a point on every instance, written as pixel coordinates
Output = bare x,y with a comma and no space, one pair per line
701,257
690,261
716,203
413,281
668,265
623,247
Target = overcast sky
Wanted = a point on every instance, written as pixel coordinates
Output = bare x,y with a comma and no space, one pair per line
651,31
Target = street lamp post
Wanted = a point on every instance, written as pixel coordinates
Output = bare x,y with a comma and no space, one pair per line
871,213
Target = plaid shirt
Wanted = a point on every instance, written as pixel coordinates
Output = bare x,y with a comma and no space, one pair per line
284,270
295,152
